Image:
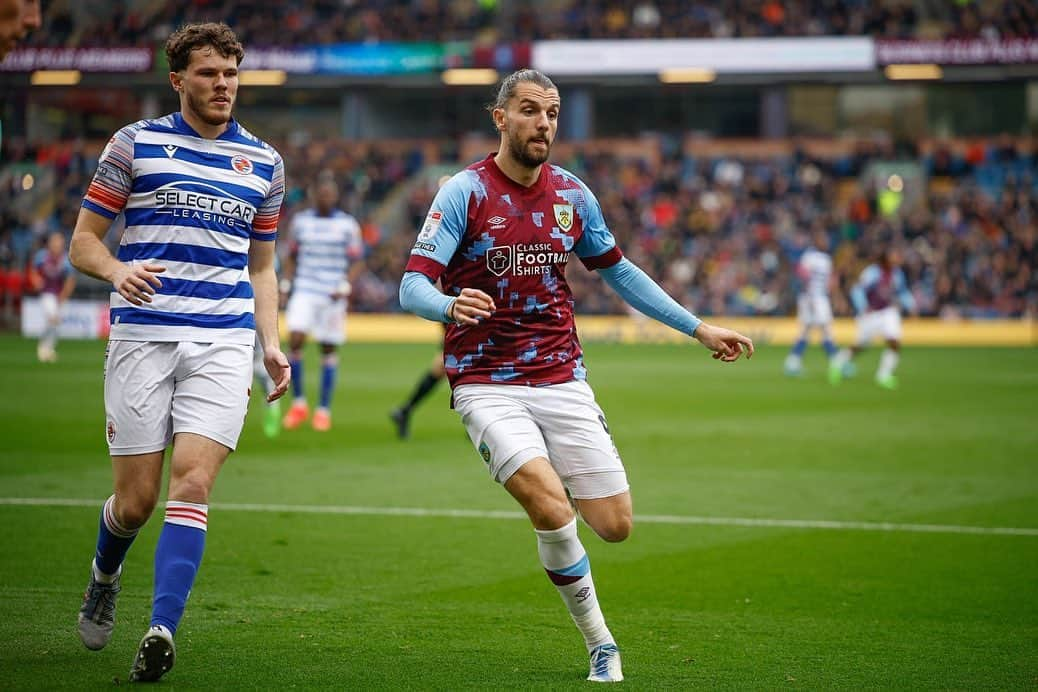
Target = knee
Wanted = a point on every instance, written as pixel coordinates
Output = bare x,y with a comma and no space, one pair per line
192,486
615,529
132,510
551,514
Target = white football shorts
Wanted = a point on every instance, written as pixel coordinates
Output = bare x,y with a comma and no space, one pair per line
319,316
814,311
513,424
885,323
155,389
51,308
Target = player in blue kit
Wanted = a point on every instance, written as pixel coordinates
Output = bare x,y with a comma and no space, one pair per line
193,283
814,310
326,248
498,236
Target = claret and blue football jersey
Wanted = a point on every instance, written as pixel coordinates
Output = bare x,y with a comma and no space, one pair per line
192,205
486,231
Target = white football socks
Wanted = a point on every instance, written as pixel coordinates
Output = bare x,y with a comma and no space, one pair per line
887,363
566,563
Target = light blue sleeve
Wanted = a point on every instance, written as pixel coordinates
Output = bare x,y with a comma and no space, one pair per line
444,225
645,295
597,239
868,277
420,296
39,258
903,294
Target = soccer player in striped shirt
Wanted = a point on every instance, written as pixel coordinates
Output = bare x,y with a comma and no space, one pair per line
498,237
815,272
193,283
326,247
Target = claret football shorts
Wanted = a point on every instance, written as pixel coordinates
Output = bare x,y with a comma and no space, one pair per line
155,389
513,424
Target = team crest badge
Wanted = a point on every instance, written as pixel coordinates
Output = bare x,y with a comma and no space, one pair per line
110,431
484,452
564,216
499,259
241,165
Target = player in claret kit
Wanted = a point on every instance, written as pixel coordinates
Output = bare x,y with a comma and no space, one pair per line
193,283
880,288
498,237
51,274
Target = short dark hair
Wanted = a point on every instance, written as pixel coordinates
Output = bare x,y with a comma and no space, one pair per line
509,84
189,37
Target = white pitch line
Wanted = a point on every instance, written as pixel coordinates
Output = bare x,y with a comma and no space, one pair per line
505,514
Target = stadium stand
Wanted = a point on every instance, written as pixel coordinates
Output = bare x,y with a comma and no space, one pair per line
143,22
722,222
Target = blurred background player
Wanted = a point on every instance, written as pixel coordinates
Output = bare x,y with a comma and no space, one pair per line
51,274
401,416
326,249
426,384
17,19
875,297
814,310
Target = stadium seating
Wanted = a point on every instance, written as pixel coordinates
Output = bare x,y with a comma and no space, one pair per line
257,23
721,223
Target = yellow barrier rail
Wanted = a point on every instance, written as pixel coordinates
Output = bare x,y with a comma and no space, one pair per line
782,331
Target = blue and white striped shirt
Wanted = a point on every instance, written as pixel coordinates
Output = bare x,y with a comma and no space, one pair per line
192,205
324,246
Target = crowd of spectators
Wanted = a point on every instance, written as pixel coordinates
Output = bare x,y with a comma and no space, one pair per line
145,22
891,19
722,232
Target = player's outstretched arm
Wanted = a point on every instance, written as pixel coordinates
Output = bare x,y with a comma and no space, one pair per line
727,345
88,253
640,291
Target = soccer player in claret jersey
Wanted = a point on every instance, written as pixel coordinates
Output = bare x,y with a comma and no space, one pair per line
193,282
51,274
498,236
401,415
326,247
815,272
875,296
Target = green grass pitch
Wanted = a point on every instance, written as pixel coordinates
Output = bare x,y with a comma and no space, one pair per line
288,598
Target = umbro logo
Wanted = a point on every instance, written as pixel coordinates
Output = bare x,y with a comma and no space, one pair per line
496,222
170,150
